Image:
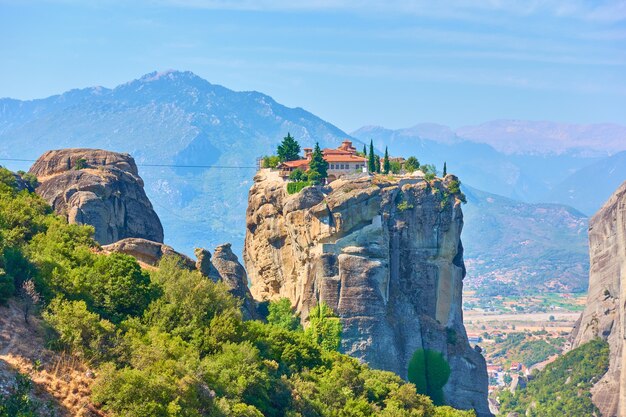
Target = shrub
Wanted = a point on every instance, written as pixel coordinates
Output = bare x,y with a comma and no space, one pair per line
324,327
270,161
281,315
298,175
80,164
395,167
404,205
296,187
429,371
115,286
454,187
80,330
411,164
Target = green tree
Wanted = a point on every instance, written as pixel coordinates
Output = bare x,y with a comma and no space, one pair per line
318,167
80,164
298,175
445,169
395,167
429,371
324,327
270,161
371,158
411,164
289,149
364,150
281,314
84,332
428,169
377,163
386,166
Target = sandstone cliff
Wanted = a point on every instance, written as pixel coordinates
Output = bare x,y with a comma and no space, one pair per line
604,314
100,188
385,255
225,267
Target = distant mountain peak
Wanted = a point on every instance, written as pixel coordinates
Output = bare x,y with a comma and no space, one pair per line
167,74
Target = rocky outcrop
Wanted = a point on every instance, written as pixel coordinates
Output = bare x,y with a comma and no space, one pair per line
226,267
605,314
147,251
385,254
99,188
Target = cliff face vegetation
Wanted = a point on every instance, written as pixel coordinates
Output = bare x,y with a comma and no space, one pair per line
605,314
385,255
99,188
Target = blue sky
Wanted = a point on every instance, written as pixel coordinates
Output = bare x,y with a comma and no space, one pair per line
391,63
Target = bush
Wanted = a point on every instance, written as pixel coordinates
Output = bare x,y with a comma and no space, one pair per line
80,330
270,161
296,187
324,327
18,402
281,315
429,371
404,205
298,175
455,188
80,164
115,286
411,164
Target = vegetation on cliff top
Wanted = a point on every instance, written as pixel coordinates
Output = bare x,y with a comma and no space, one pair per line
172,342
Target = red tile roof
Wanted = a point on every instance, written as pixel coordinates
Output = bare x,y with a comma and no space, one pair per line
296,164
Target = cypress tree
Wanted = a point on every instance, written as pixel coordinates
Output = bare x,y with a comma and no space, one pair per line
445,169
289,149
386,166
318,167
377,163
364,151
371,161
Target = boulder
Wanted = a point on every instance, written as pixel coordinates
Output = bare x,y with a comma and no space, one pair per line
147,251
99,188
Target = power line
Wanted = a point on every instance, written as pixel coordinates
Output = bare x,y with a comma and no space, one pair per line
151,165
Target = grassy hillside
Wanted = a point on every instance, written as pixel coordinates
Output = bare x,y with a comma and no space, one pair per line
170,342
562,388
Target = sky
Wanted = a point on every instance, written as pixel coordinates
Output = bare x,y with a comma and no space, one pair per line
353,63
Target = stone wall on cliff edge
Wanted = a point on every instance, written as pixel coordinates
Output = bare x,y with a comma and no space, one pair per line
604,314
385,254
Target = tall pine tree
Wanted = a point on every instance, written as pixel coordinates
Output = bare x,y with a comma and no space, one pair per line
445,169
289,149
371,158
318,167
364,151
386,165
377,164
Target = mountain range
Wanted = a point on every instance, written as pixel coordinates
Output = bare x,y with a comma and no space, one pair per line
176,124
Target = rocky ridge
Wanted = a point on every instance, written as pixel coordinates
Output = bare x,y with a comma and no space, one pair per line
385,254
99,188
605,313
